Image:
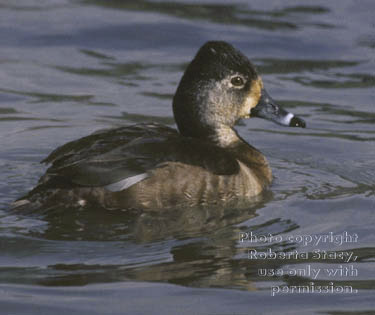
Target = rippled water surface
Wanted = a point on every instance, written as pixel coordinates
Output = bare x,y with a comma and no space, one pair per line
68,68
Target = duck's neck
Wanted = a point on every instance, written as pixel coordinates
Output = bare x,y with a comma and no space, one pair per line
224,136
221,135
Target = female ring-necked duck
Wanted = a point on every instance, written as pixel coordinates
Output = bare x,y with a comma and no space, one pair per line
151,166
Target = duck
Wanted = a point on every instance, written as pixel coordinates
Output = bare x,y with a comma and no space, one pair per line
149,166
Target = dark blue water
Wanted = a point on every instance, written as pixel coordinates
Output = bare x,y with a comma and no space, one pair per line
68,68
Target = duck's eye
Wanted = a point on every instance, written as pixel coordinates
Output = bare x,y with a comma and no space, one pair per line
237,81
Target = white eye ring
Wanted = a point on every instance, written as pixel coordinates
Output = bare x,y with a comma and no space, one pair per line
237,81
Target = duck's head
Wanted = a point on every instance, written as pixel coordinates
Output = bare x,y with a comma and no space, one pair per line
219,87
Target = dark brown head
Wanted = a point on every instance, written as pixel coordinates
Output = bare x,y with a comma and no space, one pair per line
219,87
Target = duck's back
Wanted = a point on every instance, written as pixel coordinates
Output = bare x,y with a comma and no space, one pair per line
149,166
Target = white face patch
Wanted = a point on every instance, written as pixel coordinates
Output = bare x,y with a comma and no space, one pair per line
126,183
286,120
250,102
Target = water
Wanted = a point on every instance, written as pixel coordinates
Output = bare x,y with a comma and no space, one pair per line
69,68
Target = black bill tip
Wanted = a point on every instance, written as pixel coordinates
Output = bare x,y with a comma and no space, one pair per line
297,122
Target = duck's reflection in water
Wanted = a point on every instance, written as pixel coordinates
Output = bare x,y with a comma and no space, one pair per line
188,246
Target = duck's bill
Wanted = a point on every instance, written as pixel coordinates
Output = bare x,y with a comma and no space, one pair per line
268,109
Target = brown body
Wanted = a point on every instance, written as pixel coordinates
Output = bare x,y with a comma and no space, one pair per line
181,171
180,184
153,167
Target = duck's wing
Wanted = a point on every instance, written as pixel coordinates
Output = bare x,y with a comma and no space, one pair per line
112,156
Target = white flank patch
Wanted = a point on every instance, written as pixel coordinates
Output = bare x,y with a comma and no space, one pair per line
126,183
19,203
82,202
286,120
